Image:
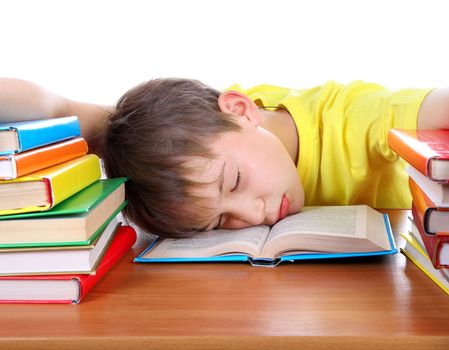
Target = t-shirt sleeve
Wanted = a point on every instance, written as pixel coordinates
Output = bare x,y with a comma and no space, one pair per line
401,113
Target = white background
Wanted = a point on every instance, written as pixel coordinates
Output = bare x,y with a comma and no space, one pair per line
94,50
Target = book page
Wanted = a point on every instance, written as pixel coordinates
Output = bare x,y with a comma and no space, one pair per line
17,195
328,229
332,220
212,243
8,140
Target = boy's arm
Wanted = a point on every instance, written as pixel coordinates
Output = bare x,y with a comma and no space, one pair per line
434,111
21,100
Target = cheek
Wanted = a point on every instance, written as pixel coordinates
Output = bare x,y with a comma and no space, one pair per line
298,200
297,193
232,223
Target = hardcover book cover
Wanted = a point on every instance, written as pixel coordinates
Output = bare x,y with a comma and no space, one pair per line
434,244
20,164
249,245
61,182
426,150
57,260
437,192
36,133
81,203
435,220
69,288
419,257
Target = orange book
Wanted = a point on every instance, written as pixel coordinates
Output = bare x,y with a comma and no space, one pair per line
16,165
434,219
426,150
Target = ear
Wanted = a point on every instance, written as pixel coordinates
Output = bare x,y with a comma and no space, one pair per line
239,105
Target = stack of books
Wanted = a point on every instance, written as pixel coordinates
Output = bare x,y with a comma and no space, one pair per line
427,244
59,232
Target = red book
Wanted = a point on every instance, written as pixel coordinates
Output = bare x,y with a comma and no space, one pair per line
434,219
426,150
64,289
437,246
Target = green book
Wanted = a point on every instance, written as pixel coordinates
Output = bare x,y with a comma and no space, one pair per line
78,220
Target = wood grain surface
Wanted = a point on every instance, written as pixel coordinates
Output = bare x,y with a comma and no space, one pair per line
372,303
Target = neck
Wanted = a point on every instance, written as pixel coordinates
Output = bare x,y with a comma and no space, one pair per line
281,124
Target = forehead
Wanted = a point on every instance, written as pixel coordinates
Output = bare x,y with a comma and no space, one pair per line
207,175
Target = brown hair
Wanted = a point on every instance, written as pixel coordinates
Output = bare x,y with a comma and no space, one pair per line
157,127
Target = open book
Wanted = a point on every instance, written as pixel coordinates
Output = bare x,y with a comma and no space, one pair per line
316,232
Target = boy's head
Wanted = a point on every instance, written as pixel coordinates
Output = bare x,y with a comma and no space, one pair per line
187,149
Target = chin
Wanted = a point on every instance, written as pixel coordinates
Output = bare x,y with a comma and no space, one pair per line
298,203
296,210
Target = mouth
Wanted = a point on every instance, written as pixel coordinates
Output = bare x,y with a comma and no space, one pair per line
283,209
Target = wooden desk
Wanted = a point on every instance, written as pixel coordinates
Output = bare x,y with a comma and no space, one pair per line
370,303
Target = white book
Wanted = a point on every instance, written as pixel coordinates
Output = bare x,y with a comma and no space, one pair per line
56,260
418,255
437,192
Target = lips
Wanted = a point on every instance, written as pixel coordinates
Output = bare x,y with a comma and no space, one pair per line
283,210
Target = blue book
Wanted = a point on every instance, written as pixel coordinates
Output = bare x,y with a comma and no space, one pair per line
17,137
315,233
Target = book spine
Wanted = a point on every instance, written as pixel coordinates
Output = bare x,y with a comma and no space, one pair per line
44,132
72,176
423,205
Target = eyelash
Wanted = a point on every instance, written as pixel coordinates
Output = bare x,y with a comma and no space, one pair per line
236,187
219,222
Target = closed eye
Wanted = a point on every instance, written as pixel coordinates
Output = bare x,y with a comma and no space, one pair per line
219,222
237,183
235,188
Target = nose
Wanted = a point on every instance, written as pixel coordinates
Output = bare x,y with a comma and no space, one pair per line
244,213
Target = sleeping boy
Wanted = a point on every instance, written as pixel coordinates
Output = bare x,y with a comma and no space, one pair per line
198,158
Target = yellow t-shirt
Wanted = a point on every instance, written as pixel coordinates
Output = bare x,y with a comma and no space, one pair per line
344,157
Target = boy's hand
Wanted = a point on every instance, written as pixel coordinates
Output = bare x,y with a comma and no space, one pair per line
434,111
